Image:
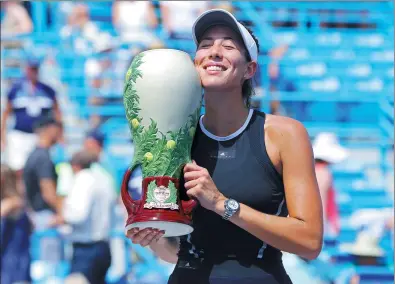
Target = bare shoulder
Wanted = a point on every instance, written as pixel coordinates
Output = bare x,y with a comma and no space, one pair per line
283,130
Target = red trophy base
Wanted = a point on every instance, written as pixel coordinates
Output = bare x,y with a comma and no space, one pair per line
175,221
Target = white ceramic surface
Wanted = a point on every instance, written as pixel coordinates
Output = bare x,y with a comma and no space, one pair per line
169,90
172,229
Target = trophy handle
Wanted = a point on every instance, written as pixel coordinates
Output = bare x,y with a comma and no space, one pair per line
130,204
188,205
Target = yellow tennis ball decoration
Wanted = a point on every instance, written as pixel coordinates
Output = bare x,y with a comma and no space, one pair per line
148,156
135,123
171,144
128,74
192,131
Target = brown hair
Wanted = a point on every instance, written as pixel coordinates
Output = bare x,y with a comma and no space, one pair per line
83,159
248,88
8,182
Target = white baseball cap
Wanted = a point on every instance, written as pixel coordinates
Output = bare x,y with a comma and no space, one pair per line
326,147
223,17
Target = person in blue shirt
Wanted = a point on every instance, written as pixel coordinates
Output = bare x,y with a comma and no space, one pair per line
28,101
16,230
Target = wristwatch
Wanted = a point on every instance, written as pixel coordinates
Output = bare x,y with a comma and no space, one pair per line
231,207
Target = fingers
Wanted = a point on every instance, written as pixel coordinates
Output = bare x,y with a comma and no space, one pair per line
130,233
192,193
139,236
152,236
191,184
192,167
145,236
188,176
160,235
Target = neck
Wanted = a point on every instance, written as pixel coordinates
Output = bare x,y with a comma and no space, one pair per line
225,112
44,142
33,83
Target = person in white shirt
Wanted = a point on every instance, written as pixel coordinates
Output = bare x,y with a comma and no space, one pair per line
88,209
80,31
135,21
179,16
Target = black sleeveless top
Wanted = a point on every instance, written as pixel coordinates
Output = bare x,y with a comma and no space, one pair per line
241,169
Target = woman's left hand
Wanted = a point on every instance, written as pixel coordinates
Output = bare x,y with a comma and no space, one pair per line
200,186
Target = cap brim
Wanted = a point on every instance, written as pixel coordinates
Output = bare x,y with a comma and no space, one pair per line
211,18
222,17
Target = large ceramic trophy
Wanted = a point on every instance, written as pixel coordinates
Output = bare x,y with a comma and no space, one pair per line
162,99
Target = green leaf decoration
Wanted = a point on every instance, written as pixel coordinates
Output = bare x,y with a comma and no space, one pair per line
173,193
150,192
131,99
166,161
136,63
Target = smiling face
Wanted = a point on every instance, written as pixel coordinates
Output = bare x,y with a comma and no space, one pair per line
221,61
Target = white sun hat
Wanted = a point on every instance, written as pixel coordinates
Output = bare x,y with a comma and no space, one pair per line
326,147
364,245
223,17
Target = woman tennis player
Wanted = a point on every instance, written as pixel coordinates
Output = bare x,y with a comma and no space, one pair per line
253,174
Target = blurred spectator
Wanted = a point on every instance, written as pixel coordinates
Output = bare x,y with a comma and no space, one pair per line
80,31
328,151
15,231
94,144
28,100
88,208
40,184
274,51
372,224
15,19
105,73
50,71
135,21
271,47
65,178
179,16
225,5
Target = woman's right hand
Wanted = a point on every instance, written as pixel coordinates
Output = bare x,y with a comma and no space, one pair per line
144,237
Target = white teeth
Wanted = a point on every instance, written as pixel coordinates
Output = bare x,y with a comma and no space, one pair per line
214,68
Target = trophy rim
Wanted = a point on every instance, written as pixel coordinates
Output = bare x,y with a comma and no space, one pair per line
165,49
176,229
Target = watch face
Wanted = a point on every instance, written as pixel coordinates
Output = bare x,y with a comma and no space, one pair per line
234,205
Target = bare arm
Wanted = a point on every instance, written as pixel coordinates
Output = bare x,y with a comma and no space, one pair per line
58,116
152,19
276,55
164,10
166,250
278,52
115,13
300,233
324,184
6,113
48,192
57,112
10,205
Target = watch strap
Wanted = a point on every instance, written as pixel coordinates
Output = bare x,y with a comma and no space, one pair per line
228,211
